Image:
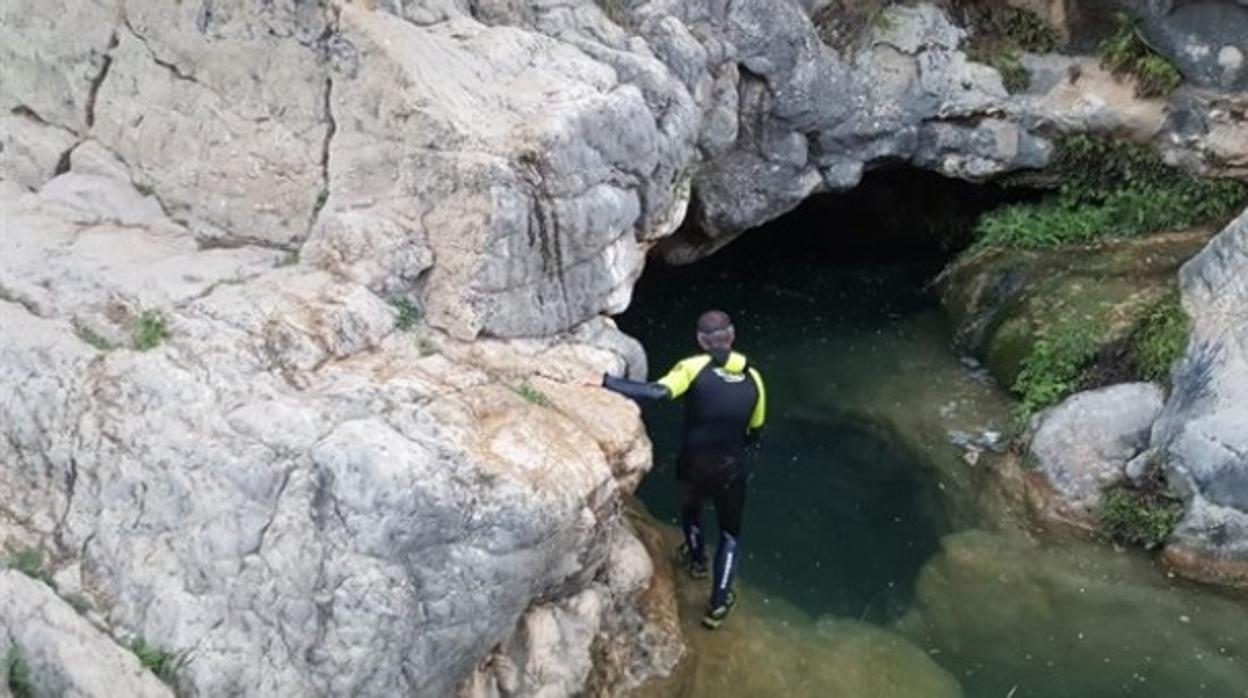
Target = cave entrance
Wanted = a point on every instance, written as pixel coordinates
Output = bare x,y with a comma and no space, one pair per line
833,303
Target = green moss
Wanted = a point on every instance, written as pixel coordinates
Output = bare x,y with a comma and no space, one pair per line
1160,339
150,330
29,561
91,337
1053,369
156,660
17,674
408,313
1110,189
1142,516
531,394
1125,53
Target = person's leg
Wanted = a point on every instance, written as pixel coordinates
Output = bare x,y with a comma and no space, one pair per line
691,499
729,508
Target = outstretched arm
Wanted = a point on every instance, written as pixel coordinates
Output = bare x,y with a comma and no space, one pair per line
638,390
669,387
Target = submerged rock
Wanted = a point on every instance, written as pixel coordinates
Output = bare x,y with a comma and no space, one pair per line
1007,614
1083,445
769,647
1204,428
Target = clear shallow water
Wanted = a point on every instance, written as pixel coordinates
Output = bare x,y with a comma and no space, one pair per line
866,528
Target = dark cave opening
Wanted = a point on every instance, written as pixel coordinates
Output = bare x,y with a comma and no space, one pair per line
833,303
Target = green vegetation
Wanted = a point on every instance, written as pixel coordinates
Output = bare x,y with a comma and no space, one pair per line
17,674
1125,53
29,561
89,336
289,259
1110,189
426,347
1000,34
531,394
160,662
409,313
1142,516
322,196
1054,367
150,330
1160,339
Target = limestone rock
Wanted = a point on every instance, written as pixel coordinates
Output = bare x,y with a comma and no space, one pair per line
67,656
1084,443
1206,40
1204,428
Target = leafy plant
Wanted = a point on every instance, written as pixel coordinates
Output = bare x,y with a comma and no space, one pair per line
150,330
1125,53
409,314
1053,369
1160,339
160,662
532,394
17,674
1143,516
1109,189
322,196
93,338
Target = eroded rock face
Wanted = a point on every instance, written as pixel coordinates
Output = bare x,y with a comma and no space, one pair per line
64,653
1204,428
1083,444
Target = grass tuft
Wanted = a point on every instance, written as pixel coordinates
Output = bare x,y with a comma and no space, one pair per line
531,394
1142,516
408,313
160,662
17,674
1000,34
93,338
29,561
150,330
1124,53
1160,340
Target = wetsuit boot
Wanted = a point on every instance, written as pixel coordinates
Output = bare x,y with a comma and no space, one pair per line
693,552
722,596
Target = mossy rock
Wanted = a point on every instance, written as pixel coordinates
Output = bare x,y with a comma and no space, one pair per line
1003,301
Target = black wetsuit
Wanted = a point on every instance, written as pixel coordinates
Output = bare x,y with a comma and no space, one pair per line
725,406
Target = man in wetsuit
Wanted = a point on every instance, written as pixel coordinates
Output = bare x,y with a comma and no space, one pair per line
725,406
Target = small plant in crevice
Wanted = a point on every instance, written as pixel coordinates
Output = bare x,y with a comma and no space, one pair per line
156,660
29,561
1125,53
1000,33
1160,339
531,394
93,338
322,197
426,346
1141,515
617,11
150,330
1054,368
408,312
17,673
1110,189
288,259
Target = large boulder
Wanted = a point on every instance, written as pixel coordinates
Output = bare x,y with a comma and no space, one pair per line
1204,428
1207,40
63,654
1083,444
